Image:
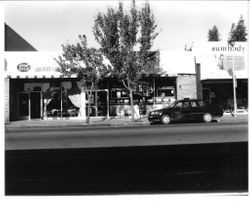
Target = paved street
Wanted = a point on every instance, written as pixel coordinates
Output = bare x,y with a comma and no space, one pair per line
80,137
193,168
176,158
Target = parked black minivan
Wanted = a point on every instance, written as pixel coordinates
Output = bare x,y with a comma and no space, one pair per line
187,109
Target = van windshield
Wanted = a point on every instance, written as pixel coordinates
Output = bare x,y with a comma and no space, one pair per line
173,104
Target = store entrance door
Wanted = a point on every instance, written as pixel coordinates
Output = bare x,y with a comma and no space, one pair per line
206,95
24,105
99,104
35,105
102,103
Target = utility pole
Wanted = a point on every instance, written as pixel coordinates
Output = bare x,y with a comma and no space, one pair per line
234,89
232,43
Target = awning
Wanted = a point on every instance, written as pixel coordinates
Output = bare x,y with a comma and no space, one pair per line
31,65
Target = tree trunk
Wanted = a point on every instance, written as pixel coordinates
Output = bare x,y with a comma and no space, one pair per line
89,103
132,105
130,97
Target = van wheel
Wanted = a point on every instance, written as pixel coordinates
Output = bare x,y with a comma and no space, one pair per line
207,117
165,119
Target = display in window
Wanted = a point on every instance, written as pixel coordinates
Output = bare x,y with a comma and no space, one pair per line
59,102
118,93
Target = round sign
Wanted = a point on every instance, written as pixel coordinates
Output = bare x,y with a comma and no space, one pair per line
23,67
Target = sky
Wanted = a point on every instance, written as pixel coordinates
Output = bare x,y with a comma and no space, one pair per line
47,24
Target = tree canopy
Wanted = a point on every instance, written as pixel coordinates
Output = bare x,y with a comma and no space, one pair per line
238,33
126,38
86,63
213,34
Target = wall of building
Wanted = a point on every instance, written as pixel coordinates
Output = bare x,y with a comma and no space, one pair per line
6,100
186,86
198,81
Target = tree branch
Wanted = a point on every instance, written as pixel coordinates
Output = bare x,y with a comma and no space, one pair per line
124,83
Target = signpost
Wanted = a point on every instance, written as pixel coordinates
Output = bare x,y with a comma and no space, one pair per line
230,67
234,91
242,65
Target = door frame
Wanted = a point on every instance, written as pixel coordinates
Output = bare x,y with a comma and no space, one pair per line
20,117
41,104
29,105
95,101
209,94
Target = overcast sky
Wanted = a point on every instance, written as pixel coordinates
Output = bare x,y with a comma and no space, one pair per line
47,25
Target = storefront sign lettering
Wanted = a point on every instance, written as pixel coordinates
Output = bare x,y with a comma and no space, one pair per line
45,69
23,67
229,48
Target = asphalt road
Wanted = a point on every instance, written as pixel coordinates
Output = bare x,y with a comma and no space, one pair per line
193,168
79,137
178,158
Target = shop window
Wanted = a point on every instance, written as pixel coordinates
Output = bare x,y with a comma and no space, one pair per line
37,89
165,92
61,103
119,96
119,93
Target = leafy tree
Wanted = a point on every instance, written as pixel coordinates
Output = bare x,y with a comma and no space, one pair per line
213,34
238,32
86,63
119,32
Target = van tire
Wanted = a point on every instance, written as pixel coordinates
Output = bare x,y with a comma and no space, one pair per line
165,119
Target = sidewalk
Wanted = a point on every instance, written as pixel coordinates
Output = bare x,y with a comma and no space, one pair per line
94,122
100,122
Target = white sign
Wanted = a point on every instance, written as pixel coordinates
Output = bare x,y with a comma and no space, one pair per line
31,64
227,62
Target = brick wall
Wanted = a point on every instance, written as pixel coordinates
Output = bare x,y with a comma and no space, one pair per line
186,86
6,100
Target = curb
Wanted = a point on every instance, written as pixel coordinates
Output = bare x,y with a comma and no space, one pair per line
227,119
91,125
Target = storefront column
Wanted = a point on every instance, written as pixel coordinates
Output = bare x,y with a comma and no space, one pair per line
83,104
7,99
154,88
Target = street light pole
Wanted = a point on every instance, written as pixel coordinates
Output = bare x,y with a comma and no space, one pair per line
232,43
234,90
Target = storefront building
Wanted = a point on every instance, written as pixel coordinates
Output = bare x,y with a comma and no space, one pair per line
34,89
214,60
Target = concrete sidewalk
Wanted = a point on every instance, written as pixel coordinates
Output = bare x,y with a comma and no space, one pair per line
94,122
101,122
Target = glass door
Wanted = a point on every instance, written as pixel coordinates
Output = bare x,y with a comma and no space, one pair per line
92,100
24,105
35,105
102,103
206,95
98,103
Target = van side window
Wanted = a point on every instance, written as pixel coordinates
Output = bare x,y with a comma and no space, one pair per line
185,105
193,104
201,103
